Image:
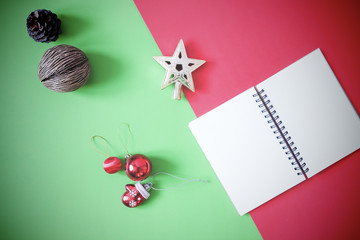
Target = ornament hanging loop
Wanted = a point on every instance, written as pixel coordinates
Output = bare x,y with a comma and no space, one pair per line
92,139
187,180
125,143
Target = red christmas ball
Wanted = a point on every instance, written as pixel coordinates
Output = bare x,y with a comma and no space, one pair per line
135,194
137,167
112,165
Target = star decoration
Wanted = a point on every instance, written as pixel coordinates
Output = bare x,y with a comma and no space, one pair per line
178,69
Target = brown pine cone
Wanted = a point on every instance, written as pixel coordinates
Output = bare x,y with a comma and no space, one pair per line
43,26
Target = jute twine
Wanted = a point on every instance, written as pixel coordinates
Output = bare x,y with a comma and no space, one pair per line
64,68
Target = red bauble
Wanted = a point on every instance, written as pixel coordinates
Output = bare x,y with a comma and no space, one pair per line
135,194
112,165
137,167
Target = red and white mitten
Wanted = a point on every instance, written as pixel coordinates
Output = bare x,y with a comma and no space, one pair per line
135,194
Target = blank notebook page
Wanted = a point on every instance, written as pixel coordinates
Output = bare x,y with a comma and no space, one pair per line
315,110
244,152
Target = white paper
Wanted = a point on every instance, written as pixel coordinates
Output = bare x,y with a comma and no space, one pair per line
244,152
315,110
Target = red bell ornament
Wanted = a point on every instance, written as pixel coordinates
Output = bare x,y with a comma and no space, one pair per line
137,167
112,165
135,194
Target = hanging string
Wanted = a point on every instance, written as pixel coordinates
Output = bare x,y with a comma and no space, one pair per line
125,144
177,186
92,140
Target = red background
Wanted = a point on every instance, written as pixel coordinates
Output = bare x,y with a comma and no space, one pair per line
244,43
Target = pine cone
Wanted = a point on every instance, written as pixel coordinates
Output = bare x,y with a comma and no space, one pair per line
43,26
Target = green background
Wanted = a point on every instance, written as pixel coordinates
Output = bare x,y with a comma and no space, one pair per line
52,182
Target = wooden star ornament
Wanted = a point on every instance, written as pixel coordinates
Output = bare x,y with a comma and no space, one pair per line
178,69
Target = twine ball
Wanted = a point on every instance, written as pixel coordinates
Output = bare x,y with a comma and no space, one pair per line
64,68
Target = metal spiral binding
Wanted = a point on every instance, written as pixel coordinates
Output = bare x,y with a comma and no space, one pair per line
280,131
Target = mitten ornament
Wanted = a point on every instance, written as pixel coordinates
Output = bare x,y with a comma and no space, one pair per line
135,194
43,26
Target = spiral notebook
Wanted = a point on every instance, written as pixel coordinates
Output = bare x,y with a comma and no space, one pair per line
279,133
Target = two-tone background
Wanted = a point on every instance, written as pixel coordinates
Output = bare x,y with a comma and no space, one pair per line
52,182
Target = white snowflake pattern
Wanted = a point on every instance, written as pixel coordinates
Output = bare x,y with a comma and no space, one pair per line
133,193
132,203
